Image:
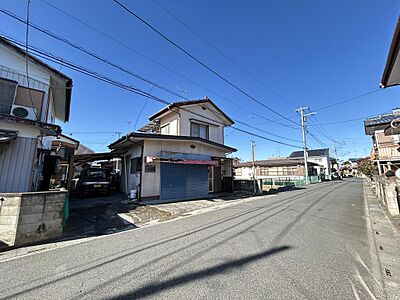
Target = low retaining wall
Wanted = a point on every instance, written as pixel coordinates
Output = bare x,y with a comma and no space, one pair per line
31,217
388,192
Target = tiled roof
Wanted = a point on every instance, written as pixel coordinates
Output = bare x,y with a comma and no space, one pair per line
380,120
189,102
311,153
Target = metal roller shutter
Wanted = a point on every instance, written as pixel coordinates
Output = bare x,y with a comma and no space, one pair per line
179,182
196,181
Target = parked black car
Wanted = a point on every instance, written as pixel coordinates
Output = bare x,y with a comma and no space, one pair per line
94,181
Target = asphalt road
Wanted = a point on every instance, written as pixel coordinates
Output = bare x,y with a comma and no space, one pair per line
310,243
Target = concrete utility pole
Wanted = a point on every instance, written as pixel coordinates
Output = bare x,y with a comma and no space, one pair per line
304,134
253,166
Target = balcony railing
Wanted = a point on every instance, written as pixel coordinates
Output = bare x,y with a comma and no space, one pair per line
387,152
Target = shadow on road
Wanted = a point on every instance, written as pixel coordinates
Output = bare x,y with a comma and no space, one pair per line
152,289
249,215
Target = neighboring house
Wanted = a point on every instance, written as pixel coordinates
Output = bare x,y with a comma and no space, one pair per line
29,107
384,132
354,162
179,155
318,156
274,168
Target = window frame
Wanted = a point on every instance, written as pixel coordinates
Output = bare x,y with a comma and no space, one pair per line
167,125
135,165
207,130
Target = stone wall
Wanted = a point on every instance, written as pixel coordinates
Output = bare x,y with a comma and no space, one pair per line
388,192
31,217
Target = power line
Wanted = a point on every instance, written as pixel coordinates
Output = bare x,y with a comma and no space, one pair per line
201,63
267,132
265,138
321,129
318,140
28,2
82,49
92,54
348,100
70,65
222,53
94,132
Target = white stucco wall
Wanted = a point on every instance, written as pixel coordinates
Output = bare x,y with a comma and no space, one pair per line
151,181
132,180
179,121
25,131
323,161
173,120
13,60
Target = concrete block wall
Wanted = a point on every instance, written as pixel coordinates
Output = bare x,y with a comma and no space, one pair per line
9,213
31,217
388,192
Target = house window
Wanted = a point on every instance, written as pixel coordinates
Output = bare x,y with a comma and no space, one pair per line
165,129
7,95
238,172
199,130
136,165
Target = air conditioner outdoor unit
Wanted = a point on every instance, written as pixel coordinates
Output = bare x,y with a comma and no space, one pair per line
23,112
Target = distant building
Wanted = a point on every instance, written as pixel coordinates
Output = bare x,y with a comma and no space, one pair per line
63,148
274,168
318,156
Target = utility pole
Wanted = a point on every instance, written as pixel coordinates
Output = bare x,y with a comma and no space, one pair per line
129,125
253,166
304,135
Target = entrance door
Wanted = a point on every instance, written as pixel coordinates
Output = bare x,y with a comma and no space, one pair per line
217,179
210,179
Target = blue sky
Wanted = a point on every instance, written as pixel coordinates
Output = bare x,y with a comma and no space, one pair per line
313,53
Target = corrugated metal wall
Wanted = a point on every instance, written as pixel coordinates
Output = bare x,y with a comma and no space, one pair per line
179,182
16,162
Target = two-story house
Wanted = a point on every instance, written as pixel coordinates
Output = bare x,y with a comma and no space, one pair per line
317,156
179,155
29,106
385,133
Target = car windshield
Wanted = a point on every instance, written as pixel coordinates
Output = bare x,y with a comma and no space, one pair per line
96,174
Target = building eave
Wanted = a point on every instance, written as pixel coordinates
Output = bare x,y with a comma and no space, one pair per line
44,128
389,78
149,136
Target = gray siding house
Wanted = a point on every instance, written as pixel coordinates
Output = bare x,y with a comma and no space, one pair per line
29,106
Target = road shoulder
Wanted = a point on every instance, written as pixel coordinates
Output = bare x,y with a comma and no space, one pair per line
387,243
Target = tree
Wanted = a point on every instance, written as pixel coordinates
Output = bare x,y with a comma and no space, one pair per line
366,167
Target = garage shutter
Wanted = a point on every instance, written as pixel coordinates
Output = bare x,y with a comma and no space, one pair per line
196,181
179,182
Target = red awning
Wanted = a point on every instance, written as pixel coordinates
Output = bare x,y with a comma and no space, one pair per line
151,159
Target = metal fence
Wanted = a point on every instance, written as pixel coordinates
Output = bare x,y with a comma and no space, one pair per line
287,181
